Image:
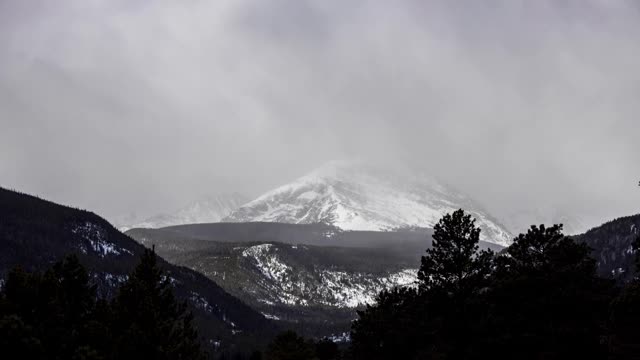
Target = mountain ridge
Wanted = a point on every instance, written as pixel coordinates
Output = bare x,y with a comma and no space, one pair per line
612,246
35,233
354,196
208,210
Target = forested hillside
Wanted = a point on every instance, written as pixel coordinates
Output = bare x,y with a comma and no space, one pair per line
35,234
612,247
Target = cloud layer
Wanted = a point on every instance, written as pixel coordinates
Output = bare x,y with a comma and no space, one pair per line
141,106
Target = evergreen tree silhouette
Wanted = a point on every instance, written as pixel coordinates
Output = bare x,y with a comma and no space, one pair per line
454,262
149,322
439,319
624,317
327,350
19,340
77,301
51,311
399,325
452,275
546,298
289,346
538,299
56,315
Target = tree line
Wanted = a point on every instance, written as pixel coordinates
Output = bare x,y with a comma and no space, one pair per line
540,298
57,315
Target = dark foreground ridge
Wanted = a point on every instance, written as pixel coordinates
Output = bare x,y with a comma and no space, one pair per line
35,234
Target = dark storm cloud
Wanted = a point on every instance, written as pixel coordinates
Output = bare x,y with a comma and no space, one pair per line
124,106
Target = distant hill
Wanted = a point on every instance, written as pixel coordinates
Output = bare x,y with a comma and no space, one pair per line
611,244
35,233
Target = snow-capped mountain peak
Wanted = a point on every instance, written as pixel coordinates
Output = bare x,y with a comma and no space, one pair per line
208,210
355,196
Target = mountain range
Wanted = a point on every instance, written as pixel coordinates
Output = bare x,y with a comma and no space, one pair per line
345,194
356,196
209,210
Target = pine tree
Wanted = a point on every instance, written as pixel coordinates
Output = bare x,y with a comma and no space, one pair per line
399,325
149,322
454,262
289,346
439,319
55,315
76,299
51,310
636,249
546,298
327,350
624,317
19,340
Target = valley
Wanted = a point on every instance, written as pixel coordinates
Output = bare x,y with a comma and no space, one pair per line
313,277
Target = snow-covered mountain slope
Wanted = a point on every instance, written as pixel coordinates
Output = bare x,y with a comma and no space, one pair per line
209,210
311,285
318,286
353,196
299,285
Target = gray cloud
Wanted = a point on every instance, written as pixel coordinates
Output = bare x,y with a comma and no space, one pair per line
123,106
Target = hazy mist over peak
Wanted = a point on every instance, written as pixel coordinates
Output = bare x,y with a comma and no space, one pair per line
145,106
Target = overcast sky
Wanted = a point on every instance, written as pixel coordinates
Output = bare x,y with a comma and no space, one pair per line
124,106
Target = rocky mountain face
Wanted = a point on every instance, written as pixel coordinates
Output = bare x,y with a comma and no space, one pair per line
35,233
612,247
209,210
353,196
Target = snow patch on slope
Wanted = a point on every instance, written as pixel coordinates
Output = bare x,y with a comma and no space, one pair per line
320,286
270,317
357,289
200,302
96,237
269,265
